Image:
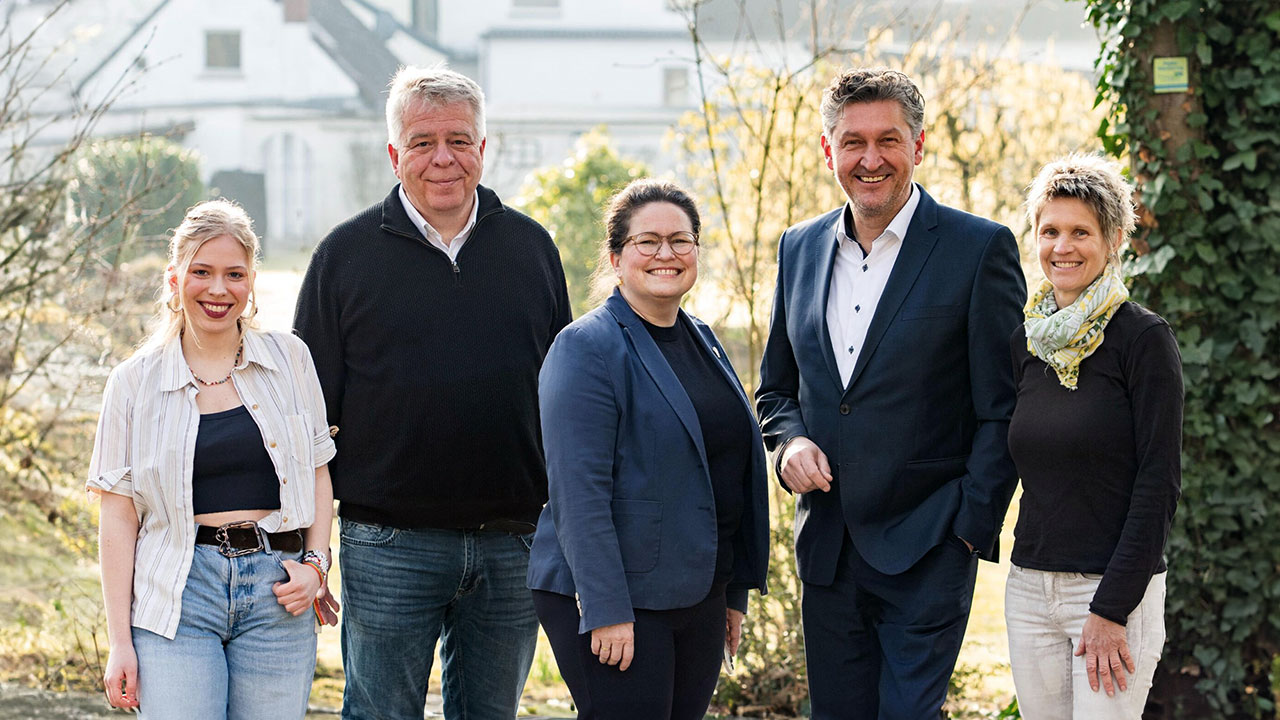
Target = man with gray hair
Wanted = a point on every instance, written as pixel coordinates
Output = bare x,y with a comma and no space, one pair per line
429,315
886,391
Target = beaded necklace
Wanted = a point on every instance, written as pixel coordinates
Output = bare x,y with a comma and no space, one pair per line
206,383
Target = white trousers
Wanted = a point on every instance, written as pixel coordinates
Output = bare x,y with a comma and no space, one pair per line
1045,613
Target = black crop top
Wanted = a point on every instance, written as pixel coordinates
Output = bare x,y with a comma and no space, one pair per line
231,469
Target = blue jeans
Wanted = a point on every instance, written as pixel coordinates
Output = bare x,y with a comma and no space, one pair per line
402,590
237,653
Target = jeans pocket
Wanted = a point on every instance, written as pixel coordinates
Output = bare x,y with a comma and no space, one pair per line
366,534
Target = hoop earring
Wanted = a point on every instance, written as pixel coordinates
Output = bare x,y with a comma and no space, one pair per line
174,304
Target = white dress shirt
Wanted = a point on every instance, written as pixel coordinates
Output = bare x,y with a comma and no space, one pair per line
146,442
858,280
432,235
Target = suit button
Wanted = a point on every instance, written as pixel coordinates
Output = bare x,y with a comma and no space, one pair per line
844,408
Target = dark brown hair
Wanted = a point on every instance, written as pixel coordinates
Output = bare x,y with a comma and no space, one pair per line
617,222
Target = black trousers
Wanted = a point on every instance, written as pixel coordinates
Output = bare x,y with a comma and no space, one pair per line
672,675
882,647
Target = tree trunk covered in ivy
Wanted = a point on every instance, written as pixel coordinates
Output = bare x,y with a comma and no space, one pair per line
1209,257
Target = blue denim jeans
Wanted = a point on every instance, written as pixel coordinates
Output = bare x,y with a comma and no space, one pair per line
237,653
402,590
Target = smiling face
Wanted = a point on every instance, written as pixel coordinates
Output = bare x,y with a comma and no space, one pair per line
1072,250
214,288
439,161
654,286
873,154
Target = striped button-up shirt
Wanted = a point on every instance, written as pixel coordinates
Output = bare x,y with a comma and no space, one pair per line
146,442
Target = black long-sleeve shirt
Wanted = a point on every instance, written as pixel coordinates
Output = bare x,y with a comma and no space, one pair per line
726,432
430,367
1101,466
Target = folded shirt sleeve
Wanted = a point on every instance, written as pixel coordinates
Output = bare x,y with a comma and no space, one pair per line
111,468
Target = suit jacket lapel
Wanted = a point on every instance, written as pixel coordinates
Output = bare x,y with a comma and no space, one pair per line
827,244
916,246
658,368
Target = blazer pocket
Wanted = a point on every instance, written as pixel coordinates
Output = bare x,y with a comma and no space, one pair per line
921,312
638,524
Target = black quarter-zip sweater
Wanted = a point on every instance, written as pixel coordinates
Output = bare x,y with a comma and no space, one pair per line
430,367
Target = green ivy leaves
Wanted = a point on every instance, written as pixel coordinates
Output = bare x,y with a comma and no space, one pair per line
1211,266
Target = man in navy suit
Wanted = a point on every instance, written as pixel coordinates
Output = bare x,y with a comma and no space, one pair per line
886,391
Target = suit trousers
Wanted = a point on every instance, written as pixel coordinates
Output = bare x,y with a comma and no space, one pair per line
1045,612
672,674
883,647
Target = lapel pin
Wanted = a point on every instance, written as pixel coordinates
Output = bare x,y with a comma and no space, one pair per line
716,350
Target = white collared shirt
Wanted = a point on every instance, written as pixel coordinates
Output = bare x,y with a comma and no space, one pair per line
432,235
858,281
146,443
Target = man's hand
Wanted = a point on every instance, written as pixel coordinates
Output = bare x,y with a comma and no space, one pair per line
1105,648
805,467
614,644
733,629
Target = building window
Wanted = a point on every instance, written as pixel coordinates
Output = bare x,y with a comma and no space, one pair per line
222,49
675,86
521,152
426,17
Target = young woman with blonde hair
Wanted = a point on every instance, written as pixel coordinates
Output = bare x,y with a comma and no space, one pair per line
211,463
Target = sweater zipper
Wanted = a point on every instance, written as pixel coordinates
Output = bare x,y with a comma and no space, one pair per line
457,271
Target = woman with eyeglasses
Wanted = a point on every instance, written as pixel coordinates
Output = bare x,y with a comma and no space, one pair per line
657,523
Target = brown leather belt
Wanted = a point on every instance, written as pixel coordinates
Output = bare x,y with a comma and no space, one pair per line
244,538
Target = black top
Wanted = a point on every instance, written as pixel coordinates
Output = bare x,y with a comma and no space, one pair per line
430,367
1101,466
726,433
231,469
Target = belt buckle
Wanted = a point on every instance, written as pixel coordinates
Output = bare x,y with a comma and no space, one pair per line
224,540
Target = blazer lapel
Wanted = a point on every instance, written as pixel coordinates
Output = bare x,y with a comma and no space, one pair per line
916,246
658,368
827,244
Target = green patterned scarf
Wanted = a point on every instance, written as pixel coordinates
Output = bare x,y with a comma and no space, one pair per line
1064,338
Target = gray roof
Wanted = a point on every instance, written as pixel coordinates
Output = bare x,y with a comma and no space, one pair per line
359,51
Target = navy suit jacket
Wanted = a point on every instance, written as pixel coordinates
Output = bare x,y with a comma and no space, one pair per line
917,439
631,521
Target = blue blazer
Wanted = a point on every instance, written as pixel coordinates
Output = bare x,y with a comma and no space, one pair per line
631,518
917,439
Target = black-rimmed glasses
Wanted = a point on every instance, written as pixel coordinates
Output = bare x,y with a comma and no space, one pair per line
648,244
